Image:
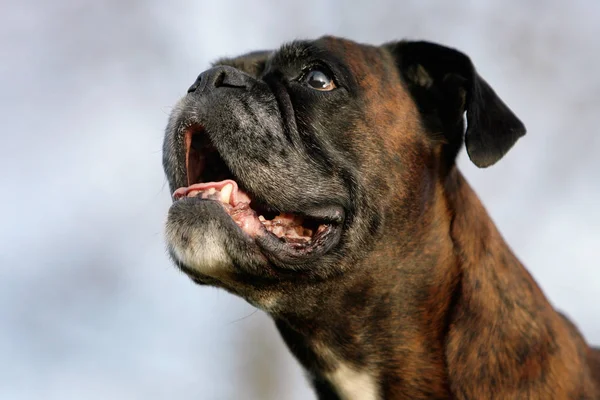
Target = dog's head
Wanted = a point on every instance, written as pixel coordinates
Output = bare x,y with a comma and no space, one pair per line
289,165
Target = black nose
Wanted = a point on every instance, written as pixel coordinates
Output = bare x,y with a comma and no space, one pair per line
222,76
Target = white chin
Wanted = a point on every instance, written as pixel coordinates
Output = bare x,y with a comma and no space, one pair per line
203,252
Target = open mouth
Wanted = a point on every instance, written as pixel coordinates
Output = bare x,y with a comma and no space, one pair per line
210,179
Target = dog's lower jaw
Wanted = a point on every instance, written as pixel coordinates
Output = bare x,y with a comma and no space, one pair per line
457,318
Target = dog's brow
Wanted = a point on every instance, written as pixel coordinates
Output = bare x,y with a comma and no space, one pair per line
290,53
297,55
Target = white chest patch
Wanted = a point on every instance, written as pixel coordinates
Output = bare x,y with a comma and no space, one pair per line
353,385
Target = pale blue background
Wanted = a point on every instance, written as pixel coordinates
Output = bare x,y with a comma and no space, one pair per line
90,307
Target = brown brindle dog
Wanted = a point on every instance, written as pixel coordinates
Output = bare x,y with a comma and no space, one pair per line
319,183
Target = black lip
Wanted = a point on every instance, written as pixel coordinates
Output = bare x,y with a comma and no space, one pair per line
285,255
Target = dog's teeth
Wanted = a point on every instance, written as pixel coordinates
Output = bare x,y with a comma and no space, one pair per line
226,193
193,193
278,231
212,191
261,218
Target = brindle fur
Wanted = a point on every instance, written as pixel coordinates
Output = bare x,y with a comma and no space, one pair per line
422,292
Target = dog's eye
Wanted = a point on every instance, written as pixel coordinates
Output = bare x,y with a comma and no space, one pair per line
319,80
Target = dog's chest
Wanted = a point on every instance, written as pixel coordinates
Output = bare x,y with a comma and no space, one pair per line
348,381
351,384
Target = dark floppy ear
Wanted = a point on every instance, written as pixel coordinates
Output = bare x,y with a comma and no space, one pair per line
444,84
251,63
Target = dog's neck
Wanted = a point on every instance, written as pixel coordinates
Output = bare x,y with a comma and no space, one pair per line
380,331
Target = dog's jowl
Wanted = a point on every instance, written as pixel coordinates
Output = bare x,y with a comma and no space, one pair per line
318,182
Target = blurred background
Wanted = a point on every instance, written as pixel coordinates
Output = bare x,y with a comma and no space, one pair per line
90,306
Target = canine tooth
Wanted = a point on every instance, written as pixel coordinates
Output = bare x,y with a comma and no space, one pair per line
261,218
226,193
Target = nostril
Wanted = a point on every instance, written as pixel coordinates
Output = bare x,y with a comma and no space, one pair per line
195,85
220,79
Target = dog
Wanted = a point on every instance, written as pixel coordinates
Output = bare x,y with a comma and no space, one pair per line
319,183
